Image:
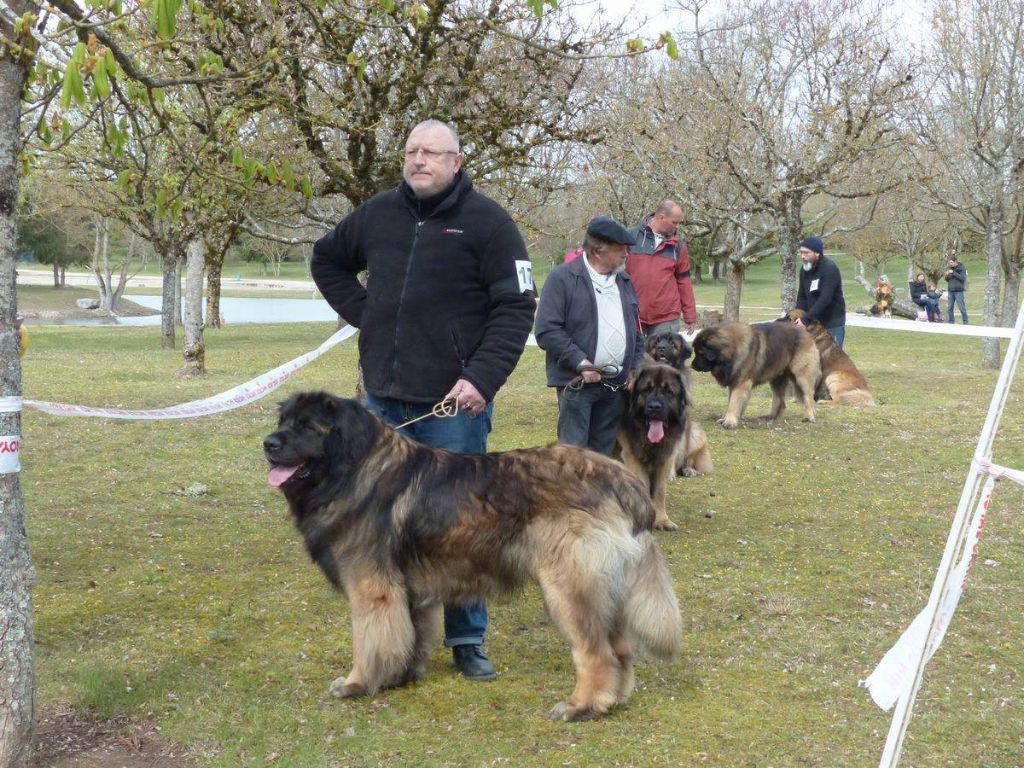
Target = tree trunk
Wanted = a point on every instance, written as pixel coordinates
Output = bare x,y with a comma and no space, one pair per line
994,265
1012,251
213,277
194,351
17,681
789,236
1011,294
122,278
733,290
169,264
101,263
56,274
179,317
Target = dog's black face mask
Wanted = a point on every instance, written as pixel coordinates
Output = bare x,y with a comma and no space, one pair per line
704,358
668,348
658,398
304,424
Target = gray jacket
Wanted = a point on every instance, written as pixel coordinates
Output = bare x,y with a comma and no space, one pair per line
566,326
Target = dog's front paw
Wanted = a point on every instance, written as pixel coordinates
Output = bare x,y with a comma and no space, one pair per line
727,423
342,689
688,472
664,524
564,712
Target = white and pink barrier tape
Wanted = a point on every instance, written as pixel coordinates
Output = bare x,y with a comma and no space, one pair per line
235,397
894,675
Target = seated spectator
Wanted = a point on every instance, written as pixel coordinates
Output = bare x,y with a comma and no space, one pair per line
884,297
925,298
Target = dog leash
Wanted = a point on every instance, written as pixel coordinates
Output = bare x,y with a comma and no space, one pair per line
609,371
445,409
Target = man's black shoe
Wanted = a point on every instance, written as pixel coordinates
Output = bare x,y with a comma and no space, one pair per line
472,663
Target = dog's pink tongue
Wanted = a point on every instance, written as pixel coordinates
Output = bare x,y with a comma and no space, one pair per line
655,431
279,474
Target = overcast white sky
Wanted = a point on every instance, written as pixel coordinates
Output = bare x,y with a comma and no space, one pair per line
664,15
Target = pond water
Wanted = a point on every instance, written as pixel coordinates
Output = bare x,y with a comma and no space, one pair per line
234,310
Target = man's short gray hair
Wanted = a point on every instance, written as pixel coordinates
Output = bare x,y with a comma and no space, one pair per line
593,244
668,207
434,123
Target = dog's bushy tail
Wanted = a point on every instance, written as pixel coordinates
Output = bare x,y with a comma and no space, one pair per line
651,610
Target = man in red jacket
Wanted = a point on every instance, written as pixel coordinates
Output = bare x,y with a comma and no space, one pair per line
659,264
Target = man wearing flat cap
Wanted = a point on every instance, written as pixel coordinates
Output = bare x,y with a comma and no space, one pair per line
820,294
588,324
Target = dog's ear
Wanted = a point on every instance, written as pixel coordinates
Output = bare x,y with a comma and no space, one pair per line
685,350
354,431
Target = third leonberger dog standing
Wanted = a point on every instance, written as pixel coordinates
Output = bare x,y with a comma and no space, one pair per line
694,457
840,382
401,528
741,356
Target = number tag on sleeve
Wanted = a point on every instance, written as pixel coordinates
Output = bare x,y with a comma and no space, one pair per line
524,273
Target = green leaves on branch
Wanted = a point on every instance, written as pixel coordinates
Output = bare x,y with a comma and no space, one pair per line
72,88
209,63
114,6
165,17
272,173
668,42
537,6
98,63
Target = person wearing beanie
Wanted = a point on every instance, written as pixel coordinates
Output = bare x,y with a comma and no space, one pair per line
588,324
820,294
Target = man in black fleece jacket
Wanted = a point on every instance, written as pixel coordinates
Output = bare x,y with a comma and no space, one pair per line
821,289
446,311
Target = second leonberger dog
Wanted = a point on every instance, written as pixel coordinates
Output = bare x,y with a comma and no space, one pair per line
402,528
840,381
694,457
741,356
652,431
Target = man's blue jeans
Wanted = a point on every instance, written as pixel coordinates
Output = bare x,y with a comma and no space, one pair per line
590,416
464,624
838,333
957,298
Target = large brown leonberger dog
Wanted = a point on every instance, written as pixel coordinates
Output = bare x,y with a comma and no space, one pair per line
402,528
694,457
741,356
840,381
652,431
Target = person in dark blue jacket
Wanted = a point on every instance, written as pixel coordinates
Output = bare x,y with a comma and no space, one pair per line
820,294
446,312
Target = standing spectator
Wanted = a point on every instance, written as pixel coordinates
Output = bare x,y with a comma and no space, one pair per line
956,284
820,294
921,296
659,264
588,323
445,313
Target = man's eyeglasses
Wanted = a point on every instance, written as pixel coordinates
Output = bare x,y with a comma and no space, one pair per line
429,154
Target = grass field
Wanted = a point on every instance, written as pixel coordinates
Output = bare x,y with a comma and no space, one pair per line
173,590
